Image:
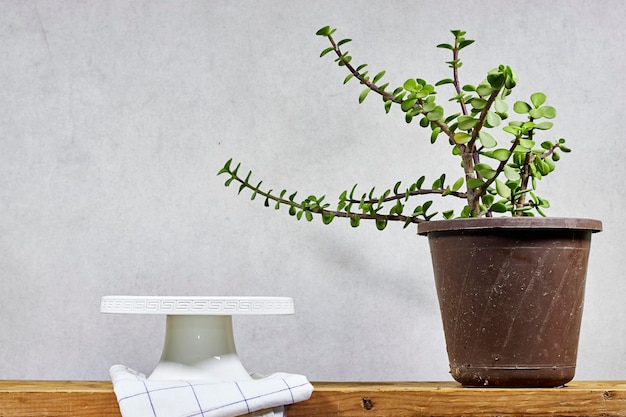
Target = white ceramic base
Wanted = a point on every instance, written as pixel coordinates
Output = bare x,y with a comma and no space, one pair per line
199,341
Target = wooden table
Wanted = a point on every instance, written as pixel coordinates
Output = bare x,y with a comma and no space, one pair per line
400,399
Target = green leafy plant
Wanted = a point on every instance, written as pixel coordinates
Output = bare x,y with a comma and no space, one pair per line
496,178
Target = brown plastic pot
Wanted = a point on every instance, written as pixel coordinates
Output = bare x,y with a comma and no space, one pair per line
511,295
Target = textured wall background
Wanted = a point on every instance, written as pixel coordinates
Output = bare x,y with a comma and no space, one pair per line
116,115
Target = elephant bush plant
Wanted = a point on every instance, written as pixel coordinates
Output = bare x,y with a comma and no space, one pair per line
500,163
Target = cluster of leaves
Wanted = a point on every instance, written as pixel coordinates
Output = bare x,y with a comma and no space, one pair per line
496,178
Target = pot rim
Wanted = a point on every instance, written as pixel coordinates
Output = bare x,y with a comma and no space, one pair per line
537,223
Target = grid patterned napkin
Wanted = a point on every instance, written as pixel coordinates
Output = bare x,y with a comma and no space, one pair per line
141,397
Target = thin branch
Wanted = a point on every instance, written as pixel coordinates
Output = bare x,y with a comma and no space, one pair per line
411,193
316,209
456,82
386,96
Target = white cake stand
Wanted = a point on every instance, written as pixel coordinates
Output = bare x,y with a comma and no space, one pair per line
199,341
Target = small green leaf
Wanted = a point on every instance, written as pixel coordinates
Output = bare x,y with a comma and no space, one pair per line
445,46
435,134
411,85
496,80
514,130
521,150
464,43
548,112
429,105
535,113
226,168
436,114
327,217
355,220
348,78
493,119
458,184
485,170
538,99
381,223
408,104
501,154
327,50
498,207
502,189
444,81
500,105
527,143
461,138
478,103
475,183
467,122
452,117
343,41
396,209
388,104
466,212
487,199
343,59
456,63
511,173
544,125
363,94
521,107
487,140
378,77
325,31
484,90
448,214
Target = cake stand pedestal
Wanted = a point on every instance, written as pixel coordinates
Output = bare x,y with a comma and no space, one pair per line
199,341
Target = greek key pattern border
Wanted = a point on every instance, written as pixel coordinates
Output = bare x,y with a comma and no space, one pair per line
197,305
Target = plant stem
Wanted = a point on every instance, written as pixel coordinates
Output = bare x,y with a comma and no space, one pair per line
456,82
316,208
422,191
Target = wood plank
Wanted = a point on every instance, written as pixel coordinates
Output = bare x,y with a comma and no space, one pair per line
343,399
450,399
58,399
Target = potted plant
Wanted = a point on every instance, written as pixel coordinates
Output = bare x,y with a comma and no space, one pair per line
510,288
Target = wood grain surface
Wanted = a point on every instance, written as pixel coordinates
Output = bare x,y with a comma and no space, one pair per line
342,399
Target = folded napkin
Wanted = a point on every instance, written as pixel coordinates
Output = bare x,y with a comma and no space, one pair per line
138,396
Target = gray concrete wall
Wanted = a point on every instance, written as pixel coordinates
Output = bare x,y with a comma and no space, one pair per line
116,115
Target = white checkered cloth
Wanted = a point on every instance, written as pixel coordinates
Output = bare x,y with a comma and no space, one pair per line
138,396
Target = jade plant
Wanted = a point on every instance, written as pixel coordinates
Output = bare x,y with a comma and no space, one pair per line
500,163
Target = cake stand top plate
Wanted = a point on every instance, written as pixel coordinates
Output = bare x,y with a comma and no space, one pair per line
191,305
